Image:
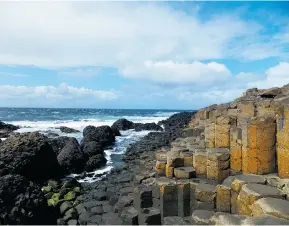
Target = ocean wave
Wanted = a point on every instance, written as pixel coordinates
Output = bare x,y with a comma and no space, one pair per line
165,114
80,124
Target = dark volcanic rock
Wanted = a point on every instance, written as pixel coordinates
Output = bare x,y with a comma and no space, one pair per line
95,162
116,131
91,148
71,158
59,143
65,129
122,124
154,140
6,129
103,135
147,126
150,142
30,155
22,202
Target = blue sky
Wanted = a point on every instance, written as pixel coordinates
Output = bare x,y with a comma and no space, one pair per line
168,55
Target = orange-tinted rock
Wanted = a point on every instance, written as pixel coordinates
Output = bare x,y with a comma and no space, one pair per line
283,143
258,151
169,171
236,150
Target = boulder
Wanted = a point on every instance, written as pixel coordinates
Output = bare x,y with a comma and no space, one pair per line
95,162
30,155
147,126
23,203
122,124
58,143
71,158
116,132
6,129
103,135
65,129
92,148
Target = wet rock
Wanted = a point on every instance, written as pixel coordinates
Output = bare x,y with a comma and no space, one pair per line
6,129
122,124
92,148
95,162
59,143
65,129
103,135
147,126
71,158
30,155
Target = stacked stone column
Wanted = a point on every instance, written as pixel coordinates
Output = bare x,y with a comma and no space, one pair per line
283,143
218,164
258,145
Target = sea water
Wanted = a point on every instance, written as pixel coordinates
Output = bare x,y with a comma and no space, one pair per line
47,120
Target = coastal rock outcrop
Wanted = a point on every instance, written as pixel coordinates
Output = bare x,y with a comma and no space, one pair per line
122,124
92,148
147,126
71,158
6,129
95,162
59,142
65,129
30,155
103,135
22,202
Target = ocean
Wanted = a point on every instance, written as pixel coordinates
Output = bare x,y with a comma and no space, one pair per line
47,120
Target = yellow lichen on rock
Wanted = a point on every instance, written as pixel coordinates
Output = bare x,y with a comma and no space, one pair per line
283,143
258,151
169,171
223,199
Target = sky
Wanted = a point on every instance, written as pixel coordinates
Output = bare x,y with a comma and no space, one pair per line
150,55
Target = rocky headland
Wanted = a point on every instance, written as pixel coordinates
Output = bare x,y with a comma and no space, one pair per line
225,164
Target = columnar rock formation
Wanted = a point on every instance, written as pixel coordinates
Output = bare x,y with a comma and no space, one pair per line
234,159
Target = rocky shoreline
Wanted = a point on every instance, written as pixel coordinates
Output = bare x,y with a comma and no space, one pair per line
224,165
40,161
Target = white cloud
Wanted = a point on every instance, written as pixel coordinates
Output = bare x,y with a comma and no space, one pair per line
9,74
275,77
52,94
116,34
171,72
81,72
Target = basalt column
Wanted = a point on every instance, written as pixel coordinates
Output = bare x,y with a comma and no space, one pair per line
258,145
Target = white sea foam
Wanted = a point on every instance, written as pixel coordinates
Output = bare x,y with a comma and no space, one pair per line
121,143
43,126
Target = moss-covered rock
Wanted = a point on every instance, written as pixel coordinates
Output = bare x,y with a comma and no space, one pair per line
54,200
77,190
70,196
71,183
48,195
46,189
54,184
